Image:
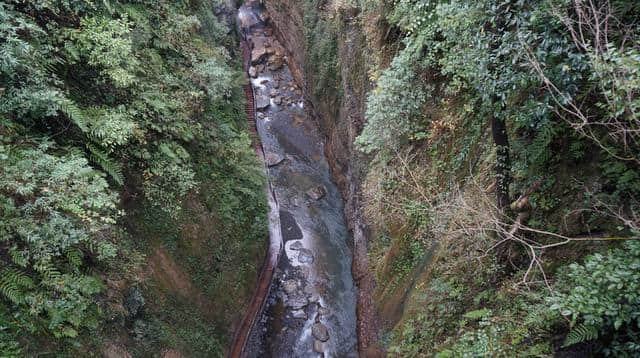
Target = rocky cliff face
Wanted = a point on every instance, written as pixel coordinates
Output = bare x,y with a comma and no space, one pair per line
330,67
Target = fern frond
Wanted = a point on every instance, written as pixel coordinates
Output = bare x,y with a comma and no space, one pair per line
18,257
11,291
48,271
581,333
75,114
13,283
111,167
75,258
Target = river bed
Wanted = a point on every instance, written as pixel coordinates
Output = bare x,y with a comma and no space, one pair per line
311,307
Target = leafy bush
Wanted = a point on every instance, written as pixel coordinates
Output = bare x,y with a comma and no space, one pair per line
55,211
602,295
394,107
168,178
105,43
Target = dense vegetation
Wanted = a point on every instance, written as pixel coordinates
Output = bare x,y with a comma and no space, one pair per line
503,175
121,124
555,83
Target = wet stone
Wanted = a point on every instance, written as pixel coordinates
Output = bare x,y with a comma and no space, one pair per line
317,193
300,314
305,256
290,286
308,290
320,332
296,246
323,311
273,159
262,102
297,302
259,53
273,93
253,72
278,101
318,346
276,63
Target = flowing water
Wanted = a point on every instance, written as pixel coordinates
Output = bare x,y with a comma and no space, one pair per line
311,307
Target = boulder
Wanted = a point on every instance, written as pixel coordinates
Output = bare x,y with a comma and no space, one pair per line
318,346
259,54
273,159
296,246
262,102
323,311
290,286
264,17
305,256
300,314
317,193
261,50
253,72
297,302
277,100
276,62
320,332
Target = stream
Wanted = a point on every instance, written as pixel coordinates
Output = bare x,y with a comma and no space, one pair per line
310,309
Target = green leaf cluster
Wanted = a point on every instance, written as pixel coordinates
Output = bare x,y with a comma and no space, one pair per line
601,297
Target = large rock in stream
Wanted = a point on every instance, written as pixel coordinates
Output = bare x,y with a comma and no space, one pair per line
320,332
305,256
297,302
262,102
317,193
261,50
272,159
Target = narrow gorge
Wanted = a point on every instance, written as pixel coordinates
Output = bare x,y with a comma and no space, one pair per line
320,178
311,305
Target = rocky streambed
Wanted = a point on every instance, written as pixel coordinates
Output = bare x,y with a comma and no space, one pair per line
311,306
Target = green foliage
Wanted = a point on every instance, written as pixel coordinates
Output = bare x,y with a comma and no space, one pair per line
214,77
114,169
581,333
169,177
101,101
394,107
321,37
105,43
483,53
602,297
53,205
